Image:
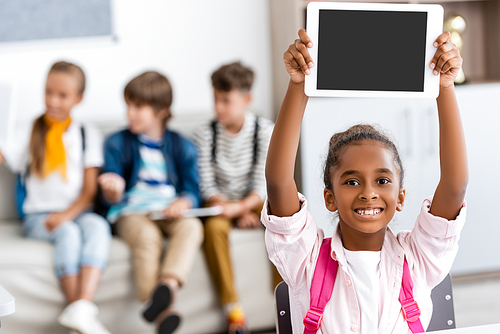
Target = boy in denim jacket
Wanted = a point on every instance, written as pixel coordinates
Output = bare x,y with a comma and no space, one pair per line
151,169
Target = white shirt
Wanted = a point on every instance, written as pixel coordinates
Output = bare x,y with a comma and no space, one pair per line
364,267
53,193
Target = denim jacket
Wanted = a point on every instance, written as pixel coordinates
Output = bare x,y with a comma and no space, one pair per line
121,156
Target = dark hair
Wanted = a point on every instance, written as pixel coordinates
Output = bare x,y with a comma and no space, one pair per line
233,76
355,135
153,89
40,128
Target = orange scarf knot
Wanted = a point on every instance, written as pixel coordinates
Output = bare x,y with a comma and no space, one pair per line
55,153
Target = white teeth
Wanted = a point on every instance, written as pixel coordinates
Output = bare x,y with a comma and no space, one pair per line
368,212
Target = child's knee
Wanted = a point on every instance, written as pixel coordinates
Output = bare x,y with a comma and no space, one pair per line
96,226
193,227
138,230
217,226
68,232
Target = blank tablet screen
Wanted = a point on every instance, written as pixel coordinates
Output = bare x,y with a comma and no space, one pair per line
371,50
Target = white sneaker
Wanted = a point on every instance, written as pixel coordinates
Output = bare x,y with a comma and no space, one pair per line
81,316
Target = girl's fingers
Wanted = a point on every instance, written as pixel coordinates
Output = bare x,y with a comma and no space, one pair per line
454,63
305,44
297,58
442,50
445,58
443,38
305,38
302,48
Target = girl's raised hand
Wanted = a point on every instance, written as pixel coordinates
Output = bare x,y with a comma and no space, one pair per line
446,60
297,60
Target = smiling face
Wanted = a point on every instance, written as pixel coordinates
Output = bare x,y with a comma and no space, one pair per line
62,93
366,193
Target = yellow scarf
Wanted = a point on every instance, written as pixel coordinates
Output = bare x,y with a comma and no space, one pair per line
55,154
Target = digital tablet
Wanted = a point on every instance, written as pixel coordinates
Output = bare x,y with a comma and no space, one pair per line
372,50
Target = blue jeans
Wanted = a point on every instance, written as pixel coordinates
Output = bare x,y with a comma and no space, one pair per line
82,242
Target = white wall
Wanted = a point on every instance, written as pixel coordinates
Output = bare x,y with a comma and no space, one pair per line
186,40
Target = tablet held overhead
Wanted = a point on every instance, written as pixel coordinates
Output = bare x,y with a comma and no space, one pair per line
373,50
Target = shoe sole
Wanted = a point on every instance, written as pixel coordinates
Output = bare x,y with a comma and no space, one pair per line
162,297
170,323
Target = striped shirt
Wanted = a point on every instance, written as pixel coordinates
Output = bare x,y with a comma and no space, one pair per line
233,175
152,191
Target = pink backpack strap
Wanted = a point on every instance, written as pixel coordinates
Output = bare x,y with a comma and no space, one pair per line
410,308
321,287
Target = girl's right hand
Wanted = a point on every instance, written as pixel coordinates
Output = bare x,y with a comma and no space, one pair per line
297,60
112,185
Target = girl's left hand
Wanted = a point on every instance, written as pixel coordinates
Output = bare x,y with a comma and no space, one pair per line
446,60
55,219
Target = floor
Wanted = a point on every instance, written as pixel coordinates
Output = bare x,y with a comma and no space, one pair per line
476,300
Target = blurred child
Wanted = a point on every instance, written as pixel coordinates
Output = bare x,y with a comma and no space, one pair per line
58,159
375,272
232,152
149,168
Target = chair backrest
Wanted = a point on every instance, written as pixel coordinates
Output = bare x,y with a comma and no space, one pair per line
443,316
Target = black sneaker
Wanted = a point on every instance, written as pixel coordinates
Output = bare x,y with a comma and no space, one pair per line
162,298
169,324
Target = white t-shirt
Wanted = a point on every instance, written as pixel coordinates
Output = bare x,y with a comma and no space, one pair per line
364,268
53,193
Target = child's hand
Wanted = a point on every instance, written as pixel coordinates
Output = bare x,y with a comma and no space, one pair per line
55,219
216,200
177,208
232,210
112,185
446,60
297,59
249,220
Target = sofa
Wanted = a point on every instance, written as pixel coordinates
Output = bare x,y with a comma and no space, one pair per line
27,272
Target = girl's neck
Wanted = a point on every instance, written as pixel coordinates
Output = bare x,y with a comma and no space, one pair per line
357,241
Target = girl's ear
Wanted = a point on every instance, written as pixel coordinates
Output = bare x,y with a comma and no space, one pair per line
401,199
79,98
329,200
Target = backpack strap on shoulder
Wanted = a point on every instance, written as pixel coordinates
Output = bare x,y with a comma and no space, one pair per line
84,143
213,126
322,284
255,142
409,306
